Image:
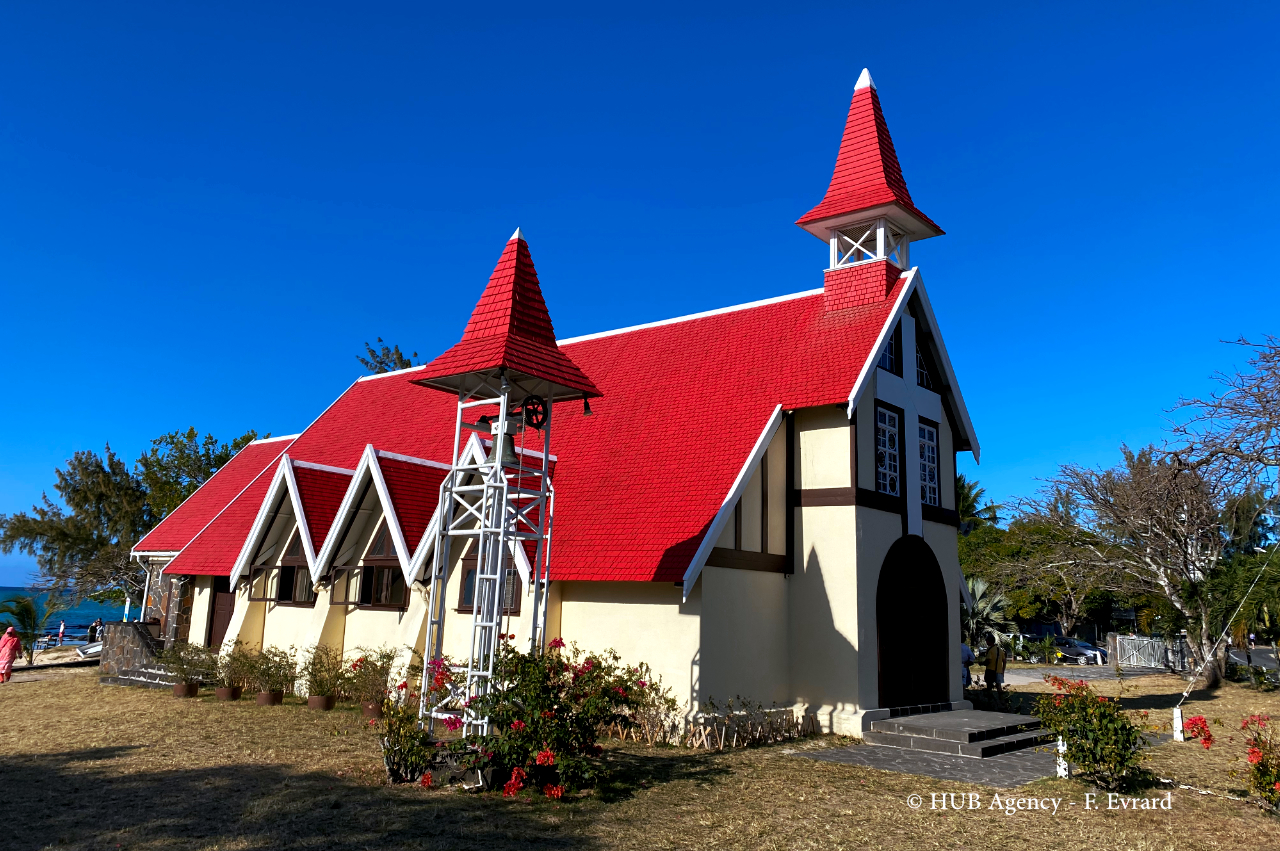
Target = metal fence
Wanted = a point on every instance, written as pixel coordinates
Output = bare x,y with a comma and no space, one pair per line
1135,651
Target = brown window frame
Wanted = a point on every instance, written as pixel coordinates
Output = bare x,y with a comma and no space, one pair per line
370,568
468,566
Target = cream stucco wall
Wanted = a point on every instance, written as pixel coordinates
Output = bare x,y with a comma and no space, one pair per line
201,609
823,438
744,636
286,626
644,622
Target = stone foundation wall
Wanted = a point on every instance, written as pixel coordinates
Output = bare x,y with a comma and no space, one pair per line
127,647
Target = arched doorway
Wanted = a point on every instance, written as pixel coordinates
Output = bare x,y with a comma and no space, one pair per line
913,639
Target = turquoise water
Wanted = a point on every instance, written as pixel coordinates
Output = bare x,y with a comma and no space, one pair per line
78,618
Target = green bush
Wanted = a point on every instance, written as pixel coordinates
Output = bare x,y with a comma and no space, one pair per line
272,669
369,676
324,673
189,663
546,712
233,668
1102,742
1263,756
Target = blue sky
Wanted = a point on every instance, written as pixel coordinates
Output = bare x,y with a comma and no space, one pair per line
204,212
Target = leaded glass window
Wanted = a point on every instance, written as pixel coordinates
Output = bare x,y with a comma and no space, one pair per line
928,465
886,452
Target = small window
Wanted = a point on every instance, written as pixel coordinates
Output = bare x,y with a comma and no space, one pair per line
887,452
264,584
371,586
922,371
928,465
889,357
381,546
510,589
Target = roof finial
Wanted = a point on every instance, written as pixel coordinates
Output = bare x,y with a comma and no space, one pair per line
517,235
865,81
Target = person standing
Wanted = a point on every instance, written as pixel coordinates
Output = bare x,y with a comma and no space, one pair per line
996,659
62,630
966,659
10,647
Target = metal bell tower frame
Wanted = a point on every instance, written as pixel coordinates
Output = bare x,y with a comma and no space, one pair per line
498,502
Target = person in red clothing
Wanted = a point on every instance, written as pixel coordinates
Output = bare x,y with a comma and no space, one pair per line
10,647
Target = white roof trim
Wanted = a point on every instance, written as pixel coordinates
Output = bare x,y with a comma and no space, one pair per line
517,235
150,553
304,529
690,317
322,467
274,439
409,459
864,80
735,493
256,530
915,284
391,373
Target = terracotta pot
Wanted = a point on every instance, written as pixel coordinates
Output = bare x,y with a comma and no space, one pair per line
186,689
323,702
270,698
228,692
371,710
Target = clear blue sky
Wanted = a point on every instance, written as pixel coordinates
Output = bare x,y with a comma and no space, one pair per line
205,212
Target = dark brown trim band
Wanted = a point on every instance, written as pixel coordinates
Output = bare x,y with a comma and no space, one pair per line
740,560
938,514
826,496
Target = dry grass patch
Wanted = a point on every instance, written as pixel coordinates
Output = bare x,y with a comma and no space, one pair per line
90,766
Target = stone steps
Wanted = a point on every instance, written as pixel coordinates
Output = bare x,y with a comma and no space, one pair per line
961,732
148,676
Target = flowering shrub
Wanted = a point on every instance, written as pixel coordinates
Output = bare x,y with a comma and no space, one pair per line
546,712
1263,755
1101,739
1196,727
369,677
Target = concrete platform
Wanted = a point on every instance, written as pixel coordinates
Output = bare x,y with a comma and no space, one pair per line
965,732
1004,771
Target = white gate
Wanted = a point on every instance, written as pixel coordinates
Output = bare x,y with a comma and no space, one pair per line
1135,651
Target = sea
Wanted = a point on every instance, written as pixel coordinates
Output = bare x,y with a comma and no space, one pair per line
77,618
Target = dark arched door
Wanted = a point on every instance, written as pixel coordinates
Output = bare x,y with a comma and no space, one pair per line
911,626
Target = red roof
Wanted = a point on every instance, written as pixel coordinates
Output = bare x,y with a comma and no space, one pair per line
414,490
320,492
185,522
213,551
867,173
510,328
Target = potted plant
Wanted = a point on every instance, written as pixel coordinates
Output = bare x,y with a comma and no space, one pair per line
230,673
274,671
371,678
189,664
324,674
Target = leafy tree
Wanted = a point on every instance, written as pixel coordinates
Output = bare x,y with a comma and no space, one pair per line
973,514
84,550
387,359
29,619
986,616
180,462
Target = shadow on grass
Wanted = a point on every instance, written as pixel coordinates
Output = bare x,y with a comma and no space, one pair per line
630,771
87,799
1166,701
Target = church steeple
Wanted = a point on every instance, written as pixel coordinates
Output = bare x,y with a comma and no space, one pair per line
867,214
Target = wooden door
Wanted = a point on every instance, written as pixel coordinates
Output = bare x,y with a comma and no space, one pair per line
224,603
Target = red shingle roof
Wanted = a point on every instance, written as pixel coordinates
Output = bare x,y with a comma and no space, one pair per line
867,173
321,492
213,551
414,490
510,327
185,522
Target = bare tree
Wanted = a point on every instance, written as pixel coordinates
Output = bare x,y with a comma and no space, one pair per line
1240,424
1156,519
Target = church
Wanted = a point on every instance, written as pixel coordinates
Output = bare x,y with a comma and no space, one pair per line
757,500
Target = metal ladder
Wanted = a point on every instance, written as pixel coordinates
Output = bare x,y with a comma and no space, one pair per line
497,502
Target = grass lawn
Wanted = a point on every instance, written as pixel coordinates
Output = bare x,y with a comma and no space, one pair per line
90,766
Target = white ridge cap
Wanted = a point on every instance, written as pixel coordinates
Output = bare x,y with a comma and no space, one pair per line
865,81
517,235
719,310
273,439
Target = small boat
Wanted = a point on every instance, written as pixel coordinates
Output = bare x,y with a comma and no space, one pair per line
87,650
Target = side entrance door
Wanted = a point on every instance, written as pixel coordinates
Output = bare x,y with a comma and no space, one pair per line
224,603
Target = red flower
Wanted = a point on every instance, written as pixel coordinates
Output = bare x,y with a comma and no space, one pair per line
517,725
512,636
547,714
425,782
515,784
373,721
556,791
1207,742
402,686
546,757
1278,784
1255,756
621,691
556,643
452,723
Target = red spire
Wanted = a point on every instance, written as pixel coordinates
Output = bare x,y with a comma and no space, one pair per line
867,174
510,327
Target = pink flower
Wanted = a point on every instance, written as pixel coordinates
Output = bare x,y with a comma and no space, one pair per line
556,643
642,684
517,725
452,723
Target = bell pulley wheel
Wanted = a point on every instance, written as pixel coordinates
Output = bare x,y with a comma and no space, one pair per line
535,411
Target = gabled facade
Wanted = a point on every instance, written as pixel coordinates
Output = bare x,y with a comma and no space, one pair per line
761,502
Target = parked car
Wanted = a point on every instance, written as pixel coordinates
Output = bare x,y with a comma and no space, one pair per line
1088,648
1069,650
